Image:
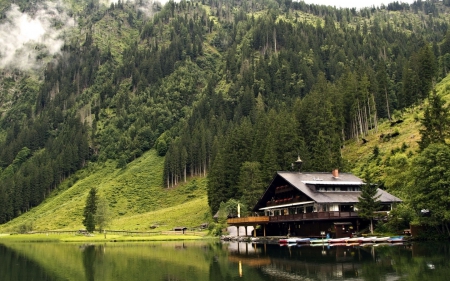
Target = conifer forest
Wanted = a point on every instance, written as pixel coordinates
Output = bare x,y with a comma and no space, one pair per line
229,90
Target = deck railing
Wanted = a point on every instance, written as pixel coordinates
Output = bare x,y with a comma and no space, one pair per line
314,216
249,220
295,217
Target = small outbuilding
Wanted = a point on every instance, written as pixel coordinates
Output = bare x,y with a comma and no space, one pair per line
180,228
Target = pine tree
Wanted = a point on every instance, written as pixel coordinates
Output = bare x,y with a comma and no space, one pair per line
436,122
368,203
430,186
90,210
250,183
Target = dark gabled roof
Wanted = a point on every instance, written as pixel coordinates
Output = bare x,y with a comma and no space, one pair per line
305,183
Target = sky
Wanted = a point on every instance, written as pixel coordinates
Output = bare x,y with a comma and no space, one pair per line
354,4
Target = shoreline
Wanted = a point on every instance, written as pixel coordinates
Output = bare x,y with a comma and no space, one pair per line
98,238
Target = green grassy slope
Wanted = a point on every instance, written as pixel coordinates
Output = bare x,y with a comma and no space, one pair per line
360,157
136,196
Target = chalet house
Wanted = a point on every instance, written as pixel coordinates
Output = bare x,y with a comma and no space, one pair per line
312,205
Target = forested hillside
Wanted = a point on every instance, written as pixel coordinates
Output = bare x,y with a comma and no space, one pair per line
228,90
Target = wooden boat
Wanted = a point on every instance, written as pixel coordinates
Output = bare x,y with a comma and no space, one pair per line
341,244
354,240
396,239
287,240
381,239
288,245
303,241
319,241
338,240
367,239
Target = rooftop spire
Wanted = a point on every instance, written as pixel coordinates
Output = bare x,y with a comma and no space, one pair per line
299,163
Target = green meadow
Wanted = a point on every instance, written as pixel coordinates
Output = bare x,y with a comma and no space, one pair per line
137,198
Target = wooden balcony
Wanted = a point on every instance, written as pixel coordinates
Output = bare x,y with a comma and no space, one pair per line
314,216
248,220
292,218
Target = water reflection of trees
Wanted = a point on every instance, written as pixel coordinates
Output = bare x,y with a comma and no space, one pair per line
319,263
90,255
17,266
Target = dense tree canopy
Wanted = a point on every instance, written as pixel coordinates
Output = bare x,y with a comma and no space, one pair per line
212,86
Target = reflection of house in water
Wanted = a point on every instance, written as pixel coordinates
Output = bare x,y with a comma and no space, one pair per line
307,204
246,253
301,263
311,263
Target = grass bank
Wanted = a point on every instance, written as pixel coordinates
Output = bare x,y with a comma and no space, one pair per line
97,238
137,199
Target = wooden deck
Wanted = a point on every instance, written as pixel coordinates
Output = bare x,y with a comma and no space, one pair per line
248,220
292,218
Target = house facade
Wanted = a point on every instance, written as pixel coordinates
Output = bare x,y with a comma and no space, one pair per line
312,205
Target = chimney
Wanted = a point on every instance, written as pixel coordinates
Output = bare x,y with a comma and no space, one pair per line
335,173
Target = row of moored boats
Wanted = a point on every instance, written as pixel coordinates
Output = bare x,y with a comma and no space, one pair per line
345,240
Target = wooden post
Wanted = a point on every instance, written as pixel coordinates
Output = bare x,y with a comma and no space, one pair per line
264,230
246,231
237,230
254,230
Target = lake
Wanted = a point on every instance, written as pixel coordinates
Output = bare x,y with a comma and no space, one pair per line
173,261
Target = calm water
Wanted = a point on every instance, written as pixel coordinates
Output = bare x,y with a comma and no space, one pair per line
173,261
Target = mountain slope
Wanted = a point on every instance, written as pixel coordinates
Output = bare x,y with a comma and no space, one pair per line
135,195
210,86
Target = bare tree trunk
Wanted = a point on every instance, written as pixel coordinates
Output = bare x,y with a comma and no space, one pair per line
387,104
375,118
360,120
275,39
371,225
370,114
365,121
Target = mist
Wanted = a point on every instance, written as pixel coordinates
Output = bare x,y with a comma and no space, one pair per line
147,7
27,38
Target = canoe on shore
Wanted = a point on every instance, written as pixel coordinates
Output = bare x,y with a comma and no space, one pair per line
381,239
353,240
396,239
287,240
338,240
303,240
319,241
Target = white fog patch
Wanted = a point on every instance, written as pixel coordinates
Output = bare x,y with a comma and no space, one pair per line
25,38
147,7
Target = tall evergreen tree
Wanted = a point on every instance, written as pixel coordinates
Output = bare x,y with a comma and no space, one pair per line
250,183
368,203
430,188
90,210
436,122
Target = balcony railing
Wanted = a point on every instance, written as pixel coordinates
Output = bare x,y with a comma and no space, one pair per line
314,216
295,217
248,220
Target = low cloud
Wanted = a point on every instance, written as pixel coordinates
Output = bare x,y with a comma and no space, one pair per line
27,37
147,7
